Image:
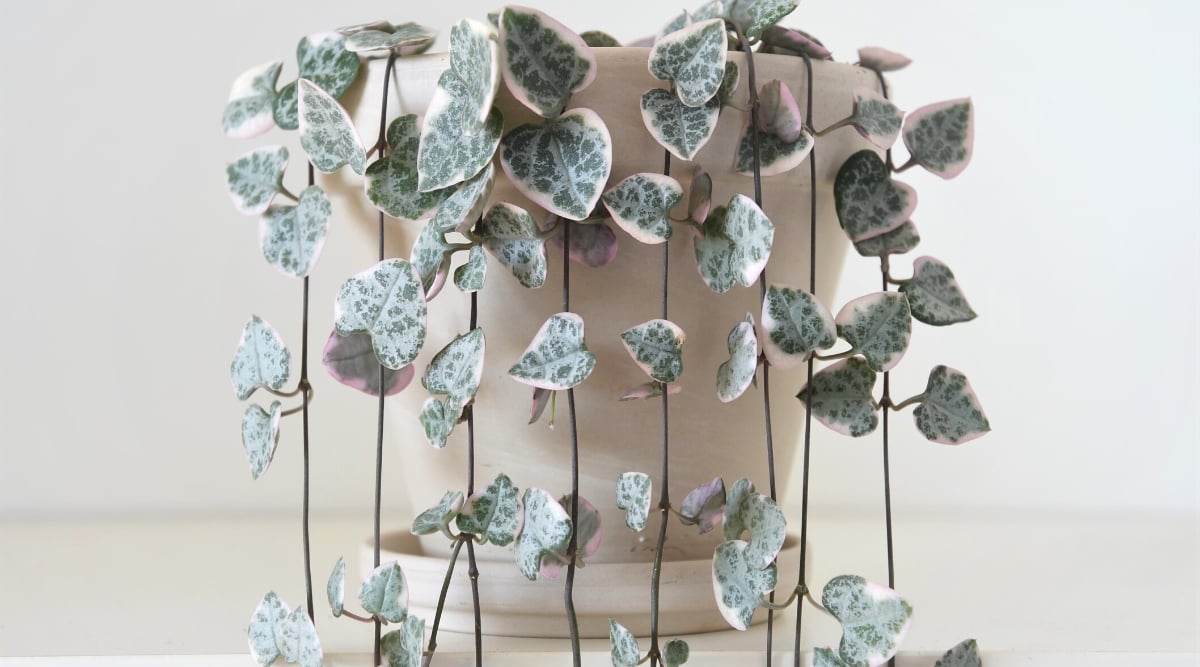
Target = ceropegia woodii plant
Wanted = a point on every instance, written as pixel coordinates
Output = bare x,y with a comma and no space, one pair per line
437,168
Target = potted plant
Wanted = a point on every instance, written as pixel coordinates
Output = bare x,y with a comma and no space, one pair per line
673,177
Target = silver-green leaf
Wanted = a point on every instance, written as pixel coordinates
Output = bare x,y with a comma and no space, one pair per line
738,495
775,156
255,178
264,626
547,528
438,418
561,165
292,236
934,296
449,153
544,61
391,181
470,276
625,651
767,527
878,326
676,653
876,118
735,246
260,436
326,131
704,506
557,358
457,368
475,58
881,59
261,359
874,619
898,241
298,641
964,654
633,496
827,657
842,397
642,203
438,517
950,412
739,584
385,593
940,137
692,59
795,324
335,590
755,16
405,39
431,252
512,236
869,202
322,58
495,515
404,647
680,129
248,113
657,347
386,301
589,534
735,375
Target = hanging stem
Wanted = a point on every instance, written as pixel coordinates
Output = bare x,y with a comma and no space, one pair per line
308,396
473,566
664,502
919,398
573,544
307,393
427,657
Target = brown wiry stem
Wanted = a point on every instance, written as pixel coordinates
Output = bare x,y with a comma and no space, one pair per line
573,545
664,502
427,657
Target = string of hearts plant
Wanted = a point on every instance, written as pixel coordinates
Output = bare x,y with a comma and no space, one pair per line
438,170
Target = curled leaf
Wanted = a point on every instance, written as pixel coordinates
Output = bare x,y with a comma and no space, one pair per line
391,181
513,238
470,276
738,495
795,41
264,626
778,113
385,593
351,361
592,245
879,327
775,156
761,516
589,535
881,59
633,496
625,651
404,647
700,196
260,436
735,375
438,517
598,39
405,39
704,506
898,241
298,641
755,16
457,369
649,390
494,515
547,528
387,302
431,251
541,398
336,588
438,418
739,584
735,246
950,413
964,654
326,131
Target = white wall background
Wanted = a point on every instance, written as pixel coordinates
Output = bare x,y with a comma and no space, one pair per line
126,275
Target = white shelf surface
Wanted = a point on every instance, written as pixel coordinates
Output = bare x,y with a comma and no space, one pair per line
1033,590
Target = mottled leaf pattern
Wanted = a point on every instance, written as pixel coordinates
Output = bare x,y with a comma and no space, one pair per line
387,302
876,118
755,16
778,113
795,42
898,241
260,435
625,651
469,277
457,369
692,60
261,359
878,326
475,58
657,347
255,178
756,513
940,136
544,61
292,236
557,358
874,619
964,654
589,534
403,647
827,657
495,514
734,376
881,59
391,181
676,653
592,245
512,236
869,202
351,361
561,165
297,639
264,624
449,154
323,59
681,129
738,495
251,100
335,590
950,412
598,39
285,110
739,584
934,296
842,397
642,203
438,418
795,324
735,246
405,39
438,517
704,506
431,251
633,496
327,133
775,156
385,593
547,528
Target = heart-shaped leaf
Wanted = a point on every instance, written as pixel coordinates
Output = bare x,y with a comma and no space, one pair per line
286,110
649,390
261,359
700,197
642,203
562,164
264,624
457,369
351,361
385,593
680,129
469,277
842,398
876,118
404,647
292,236
592,245
633,496
735,246
734,376
964,654
827,657
950,412
729,83
757,513
431,252
878,326
692,60
881,59
335,590
326,131
681,21
778,113
796,42
869,202
438,419
544,61
738,495
625,651
657,347
795,324
322,58
874,619
512,236
898,241
755,16
589,536
475,58
387,302
547,528
495,514
940,136
251,100
775,156
438,517
449,154
255,178
934,296
676,653
557,358
298,641
405,39
704,506
260,436
739,584
391,181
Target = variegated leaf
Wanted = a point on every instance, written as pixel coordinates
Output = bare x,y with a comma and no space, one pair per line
795,324
592,244
470,276
842,397
881,59
391,181
544,61
642,203
557,358
755,16
351,361
878,326
934,296
657,347
869,202
322,59
547,528
681,21
475,58
495,515
735,246
387,302
327,133
827,657
260,436
404,647
778,113
796,42
876,118
285,109
737,496
512,236
457,368
700,197
561,165
385,593
598,39
335,590
713,9
255,178
248,113
729,83
292,236
652,389
263,631
625,651
633,496
589,534
449,153
676,653
680,129
704,506
380,25
692,60
950,412
734,376
940,136
298,641
261,359
431,252
964,654
405,39
898,241
438,517
874,619
739,584
775,156
761,516
438,418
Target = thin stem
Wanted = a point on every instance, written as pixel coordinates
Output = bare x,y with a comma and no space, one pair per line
288,193
284,394
304,387
835,356
473,567
303,407
427,657
473,575
813,601
573,545
836,126
799,590
912,162
664,502
355,617
919,398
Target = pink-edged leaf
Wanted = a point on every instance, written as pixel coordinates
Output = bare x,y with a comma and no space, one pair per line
735,375
544,61
795,324
589,536
351,361
775,156
558,357
591,245
876,118
868,201
700,197
778,113
874,619
494,515
934,296
795,41
692,59
881,59
704,506
950,413
879,327
941,136
546,528
842,397
657,348
649,390
251,101
641,205
541,398
740,584
560,164
898,241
